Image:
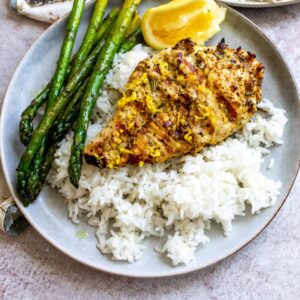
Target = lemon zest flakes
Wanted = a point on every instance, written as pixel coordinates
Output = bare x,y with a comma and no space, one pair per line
118,140
131,114
180,78
154,152
115,159
205,110
130,125
178,119
118,160
110,165
148,97
197,118
188,136
182,121
127,99
143,83
203,89
163,67
212,119
124,150
123,101
208,113
150,104
144,79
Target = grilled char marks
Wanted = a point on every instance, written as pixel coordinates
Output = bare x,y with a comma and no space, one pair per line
179,101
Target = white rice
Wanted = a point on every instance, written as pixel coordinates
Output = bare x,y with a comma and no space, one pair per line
182,196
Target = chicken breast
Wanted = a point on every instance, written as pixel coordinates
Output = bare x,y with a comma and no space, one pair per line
177,102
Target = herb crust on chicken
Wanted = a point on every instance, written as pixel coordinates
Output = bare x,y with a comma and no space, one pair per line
177,102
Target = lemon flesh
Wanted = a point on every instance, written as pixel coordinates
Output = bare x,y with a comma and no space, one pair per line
165,25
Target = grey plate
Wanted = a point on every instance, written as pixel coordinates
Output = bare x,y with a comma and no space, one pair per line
48,215
258,4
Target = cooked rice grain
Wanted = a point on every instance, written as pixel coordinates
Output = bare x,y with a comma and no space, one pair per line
181,196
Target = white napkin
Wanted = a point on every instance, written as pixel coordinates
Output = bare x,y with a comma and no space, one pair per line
47,11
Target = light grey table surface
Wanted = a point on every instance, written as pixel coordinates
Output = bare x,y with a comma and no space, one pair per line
268,268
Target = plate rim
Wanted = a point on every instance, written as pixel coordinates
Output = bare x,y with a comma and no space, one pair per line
257,4
171,272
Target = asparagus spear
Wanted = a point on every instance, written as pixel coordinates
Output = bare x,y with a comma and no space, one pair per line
52,113
135,38
136,22
39,172
66,52
102,66
26,194
25,126
63,125
69,115
44,157
106,24
90,36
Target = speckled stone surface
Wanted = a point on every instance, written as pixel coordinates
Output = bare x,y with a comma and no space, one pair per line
268,268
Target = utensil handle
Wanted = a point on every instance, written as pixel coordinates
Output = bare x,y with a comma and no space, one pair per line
11,219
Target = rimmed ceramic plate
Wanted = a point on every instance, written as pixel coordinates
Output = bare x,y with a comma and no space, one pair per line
48,215
258,4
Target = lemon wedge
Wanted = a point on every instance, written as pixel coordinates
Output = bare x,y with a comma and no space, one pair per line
163,26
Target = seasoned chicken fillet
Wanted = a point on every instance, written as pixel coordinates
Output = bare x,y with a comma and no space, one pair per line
177,102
